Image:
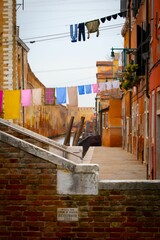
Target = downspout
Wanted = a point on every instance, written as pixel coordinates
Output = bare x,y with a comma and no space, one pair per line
147,60
23,118
147,77
129,19
130,93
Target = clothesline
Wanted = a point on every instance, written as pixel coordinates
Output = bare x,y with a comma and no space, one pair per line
77,30
11,101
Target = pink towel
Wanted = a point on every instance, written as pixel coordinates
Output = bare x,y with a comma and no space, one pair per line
26,97
95,87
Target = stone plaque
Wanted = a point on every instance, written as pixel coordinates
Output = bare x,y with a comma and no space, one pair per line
67,214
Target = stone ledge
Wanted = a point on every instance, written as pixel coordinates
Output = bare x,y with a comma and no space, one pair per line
129,185
77,183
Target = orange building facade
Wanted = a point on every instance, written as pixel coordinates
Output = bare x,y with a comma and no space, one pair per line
141,122
154,91
109,105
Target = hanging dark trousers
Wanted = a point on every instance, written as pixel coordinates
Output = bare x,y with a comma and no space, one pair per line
81,28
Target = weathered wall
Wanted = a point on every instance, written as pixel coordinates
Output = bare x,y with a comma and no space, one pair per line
78,112
50,121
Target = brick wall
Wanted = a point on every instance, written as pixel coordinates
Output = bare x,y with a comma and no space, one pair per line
29,202
8,76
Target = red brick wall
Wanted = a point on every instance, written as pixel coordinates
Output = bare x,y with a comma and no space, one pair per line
29,202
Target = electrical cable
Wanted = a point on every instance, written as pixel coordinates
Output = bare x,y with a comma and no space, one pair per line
65,69
57,35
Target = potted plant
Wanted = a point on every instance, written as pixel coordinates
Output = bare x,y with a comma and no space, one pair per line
130,77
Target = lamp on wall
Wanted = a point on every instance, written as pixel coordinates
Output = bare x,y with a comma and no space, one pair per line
125,51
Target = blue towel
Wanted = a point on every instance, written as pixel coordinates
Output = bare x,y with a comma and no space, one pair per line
88,88
81,90
61,95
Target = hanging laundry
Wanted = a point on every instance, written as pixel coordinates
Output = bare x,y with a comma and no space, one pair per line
103,19
50,96
81,32
93,26
115,84
73,32
95,87
109,85
61,95
114,16
109,18
81,90
88,89
102,86
26,97
37,96
72,96
122,14
12,104
1,100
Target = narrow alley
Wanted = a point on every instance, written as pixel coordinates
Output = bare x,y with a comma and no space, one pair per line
116,164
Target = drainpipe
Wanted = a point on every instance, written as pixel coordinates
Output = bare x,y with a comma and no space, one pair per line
22,82
129,19
147,60
147,77
130,93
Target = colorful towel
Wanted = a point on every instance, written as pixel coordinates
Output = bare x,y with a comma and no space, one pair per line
12,104
50,96
26,97
61,95
81,90
88,89
95,87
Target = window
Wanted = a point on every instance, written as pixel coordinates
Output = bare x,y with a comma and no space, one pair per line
105,120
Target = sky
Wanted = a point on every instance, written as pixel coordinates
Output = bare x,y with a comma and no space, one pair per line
54,59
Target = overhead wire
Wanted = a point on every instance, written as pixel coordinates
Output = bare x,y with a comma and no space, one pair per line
55,36
65,69
64,35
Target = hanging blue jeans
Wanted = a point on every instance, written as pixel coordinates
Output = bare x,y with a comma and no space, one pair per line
73,33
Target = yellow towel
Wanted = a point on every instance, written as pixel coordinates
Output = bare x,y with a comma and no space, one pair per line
11,104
